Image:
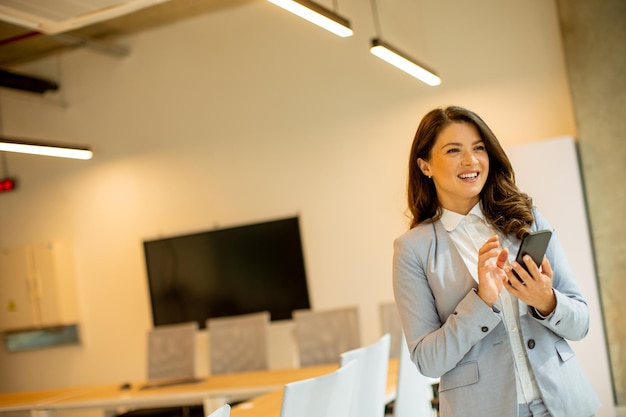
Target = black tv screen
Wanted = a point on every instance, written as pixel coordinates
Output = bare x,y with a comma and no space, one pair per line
227,272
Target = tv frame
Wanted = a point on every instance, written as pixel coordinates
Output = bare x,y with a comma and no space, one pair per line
252,267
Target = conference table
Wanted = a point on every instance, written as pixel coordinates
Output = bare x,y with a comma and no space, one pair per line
261,390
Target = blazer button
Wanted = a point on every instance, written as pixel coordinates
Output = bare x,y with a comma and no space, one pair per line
485,329
531,343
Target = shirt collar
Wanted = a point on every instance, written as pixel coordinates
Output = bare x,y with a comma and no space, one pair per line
451,219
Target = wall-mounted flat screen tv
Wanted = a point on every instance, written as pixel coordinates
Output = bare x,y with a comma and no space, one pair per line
227,272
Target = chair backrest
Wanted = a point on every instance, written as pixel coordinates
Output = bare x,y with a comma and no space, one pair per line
172,351
238,343
414,391
368,397
390,323
328,395
223,411
322,335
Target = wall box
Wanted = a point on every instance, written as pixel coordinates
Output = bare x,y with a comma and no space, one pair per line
21,340
37,287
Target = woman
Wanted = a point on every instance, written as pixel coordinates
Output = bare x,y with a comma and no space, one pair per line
498,343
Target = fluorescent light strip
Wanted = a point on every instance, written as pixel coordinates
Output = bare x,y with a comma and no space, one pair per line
396,58
317,14
46,150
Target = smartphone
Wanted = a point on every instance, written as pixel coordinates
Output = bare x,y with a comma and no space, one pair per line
535,245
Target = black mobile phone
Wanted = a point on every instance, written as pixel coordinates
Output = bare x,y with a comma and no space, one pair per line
535,245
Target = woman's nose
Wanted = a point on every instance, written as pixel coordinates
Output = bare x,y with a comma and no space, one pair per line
469,158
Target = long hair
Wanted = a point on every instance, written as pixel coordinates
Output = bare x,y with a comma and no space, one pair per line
506,208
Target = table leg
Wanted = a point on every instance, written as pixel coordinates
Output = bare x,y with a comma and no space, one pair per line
41,413
211,404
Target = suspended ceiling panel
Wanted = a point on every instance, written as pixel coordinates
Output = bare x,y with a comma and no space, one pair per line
57,16
67,24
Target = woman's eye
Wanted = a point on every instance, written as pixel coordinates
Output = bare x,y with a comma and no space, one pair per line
480,148
453,150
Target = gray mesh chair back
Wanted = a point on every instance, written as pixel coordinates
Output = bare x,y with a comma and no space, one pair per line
390,323
323,335
172,351
238,343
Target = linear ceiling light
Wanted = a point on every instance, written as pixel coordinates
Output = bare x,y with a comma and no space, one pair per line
35,148
396,58
317,14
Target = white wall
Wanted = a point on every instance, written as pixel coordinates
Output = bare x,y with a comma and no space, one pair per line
251,114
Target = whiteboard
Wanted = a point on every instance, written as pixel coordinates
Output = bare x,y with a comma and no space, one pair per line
549,172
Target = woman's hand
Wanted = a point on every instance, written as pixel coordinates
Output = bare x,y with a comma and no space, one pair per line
492,259
534,288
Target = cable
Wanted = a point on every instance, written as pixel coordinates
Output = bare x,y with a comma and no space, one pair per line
5,170
375,18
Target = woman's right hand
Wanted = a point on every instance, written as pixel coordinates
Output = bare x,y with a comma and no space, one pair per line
491,274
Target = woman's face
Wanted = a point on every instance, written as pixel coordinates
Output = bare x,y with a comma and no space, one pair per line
458,165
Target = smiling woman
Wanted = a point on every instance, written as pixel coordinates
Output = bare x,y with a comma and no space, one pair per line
499,347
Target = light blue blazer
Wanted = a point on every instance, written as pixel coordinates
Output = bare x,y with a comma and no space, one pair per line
452,334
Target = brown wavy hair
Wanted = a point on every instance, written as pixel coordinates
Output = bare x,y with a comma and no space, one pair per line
507,208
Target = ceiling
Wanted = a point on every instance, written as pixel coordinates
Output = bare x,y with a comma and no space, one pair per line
33,29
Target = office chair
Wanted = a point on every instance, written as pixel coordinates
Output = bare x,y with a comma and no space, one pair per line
171,359
390,323
322,335
238,343
328,395
368,397
172,351
415,393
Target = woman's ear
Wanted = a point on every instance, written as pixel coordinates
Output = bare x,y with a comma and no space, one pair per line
424,167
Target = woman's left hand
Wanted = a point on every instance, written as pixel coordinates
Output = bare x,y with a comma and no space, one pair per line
534,288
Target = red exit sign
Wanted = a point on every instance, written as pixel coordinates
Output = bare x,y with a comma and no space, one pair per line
7,184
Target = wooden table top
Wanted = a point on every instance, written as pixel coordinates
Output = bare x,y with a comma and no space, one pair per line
264,386
244,384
